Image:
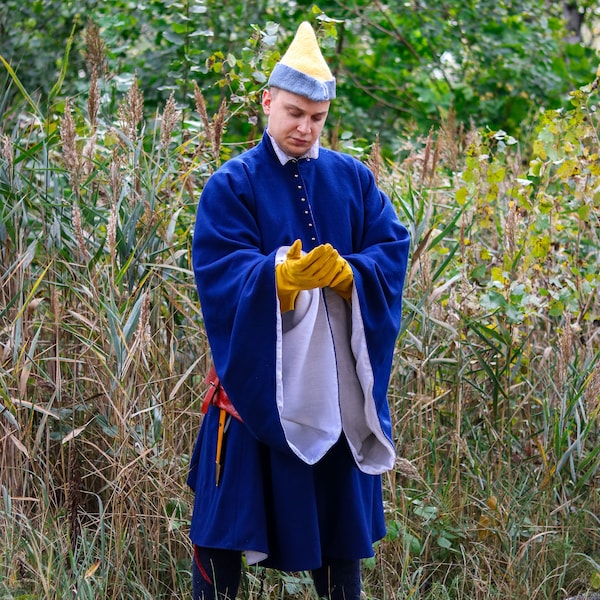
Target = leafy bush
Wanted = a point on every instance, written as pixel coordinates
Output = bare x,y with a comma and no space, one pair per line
400,67
497,383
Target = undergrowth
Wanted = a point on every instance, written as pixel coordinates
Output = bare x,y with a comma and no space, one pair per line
495,390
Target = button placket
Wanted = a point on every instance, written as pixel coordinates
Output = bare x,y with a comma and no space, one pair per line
307,211
306,208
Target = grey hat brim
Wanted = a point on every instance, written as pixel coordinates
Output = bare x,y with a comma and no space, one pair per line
294,81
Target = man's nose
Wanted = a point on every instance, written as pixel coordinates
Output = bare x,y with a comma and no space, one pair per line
304,125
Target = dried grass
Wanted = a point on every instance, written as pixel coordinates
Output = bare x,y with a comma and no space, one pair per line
102,355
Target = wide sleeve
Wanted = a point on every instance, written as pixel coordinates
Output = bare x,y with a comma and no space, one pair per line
379,260
235,279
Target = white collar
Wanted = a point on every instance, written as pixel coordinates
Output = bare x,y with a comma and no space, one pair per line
313,151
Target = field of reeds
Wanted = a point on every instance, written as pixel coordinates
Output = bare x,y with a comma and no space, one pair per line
495,390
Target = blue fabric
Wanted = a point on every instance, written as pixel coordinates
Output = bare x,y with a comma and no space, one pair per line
268,500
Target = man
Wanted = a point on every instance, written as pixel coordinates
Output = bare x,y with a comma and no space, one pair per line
299,262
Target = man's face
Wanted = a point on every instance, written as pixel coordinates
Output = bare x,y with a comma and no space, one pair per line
295,122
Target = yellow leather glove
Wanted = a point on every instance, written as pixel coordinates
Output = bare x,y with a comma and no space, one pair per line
313,270
344,279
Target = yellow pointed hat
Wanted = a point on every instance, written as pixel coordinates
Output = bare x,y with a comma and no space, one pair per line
302,69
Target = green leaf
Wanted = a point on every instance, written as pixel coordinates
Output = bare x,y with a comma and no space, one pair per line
174,38
444,542
20,87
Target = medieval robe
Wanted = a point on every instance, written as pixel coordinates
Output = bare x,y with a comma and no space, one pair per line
301,475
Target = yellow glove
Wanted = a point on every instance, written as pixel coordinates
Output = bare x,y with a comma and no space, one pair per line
343,281
313,270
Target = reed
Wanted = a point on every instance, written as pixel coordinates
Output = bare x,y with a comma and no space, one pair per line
495,390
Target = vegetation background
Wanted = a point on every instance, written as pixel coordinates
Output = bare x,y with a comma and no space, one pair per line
479,119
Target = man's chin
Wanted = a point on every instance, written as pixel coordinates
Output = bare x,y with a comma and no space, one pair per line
297,150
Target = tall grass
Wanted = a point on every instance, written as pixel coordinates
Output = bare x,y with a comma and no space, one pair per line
102,352
495,390
496,385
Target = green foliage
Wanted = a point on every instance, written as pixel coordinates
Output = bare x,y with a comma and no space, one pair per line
497,386
400,67
98,326
495,392
33,36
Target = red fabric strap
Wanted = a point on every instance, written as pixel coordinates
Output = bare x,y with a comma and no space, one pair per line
217,395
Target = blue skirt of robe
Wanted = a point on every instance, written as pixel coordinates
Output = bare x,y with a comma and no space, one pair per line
278,505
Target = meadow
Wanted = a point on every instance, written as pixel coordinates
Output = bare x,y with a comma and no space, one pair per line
495,391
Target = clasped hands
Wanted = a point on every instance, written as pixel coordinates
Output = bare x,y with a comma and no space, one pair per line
321,267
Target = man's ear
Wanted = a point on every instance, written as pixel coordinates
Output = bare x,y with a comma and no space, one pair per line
266,101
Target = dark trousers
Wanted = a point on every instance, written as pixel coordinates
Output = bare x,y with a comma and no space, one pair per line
216,576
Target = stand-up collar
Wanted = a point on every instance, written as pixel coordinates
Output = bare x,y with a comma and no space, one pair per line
284,158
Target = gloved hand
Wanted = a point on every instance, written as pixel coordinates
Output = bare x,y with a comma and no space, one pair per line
313,270
343,280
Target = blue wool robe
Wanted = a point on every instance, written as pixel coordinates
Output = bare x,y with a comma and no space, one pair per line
293,489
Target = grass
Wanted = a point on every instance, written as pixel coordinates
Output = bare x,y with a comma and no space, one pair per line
495,390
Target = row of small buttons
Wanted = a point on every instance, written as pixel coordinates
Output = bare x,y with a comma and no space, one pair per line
306,211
